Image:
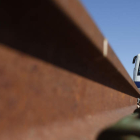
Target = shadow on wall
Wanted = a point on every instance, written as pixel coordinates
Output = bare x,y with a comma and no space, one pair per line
39,29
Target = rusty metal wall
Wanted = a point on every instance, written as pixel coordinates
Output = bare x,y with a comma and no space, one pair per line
55,80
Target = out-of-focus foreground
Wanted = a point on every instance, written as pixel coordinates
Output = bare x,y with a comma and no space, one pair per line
59,77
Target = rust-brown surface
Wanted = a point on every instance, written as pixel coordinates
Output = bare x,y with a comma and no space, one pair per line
55,82
37,95
75,11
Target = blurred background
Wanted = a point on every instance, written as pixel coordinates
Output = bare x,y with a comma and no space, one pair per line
119,21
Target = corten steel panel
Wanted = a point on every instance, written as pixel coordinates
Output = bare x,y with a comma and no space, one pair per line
41,101
53,75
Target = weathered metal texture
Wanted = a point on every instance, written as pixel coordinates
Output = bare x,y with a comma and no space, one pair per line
53,74
39,101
